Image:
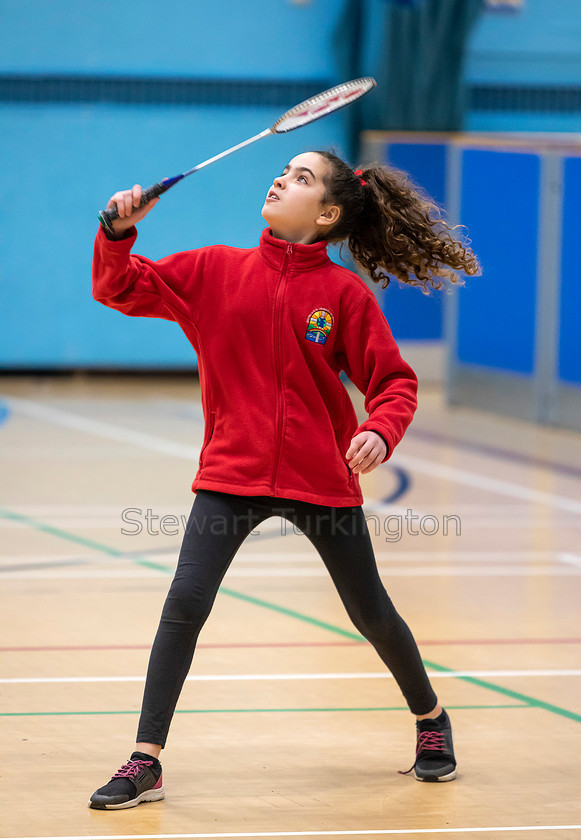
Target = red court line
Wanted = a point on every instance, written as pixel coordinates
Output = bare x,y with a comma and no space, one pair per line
425,643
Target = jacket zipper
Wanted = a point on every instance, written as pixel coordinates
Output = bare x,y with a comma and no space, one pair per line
208,438
349,471
278,361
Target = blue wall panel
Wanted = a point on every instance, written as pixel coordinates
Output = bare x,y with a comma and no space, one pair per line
221,38
60,165
73,156
62,160
499,205
425,162
411,314
570,303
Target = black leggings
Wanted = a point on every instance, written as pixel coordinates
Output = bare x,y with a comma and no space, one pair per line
218,525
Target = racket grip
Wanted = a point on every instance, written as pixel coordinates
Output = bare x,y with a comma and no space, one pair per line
107,217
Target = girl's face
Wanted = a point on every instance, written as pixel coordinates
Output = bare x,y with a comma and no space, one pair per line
294,206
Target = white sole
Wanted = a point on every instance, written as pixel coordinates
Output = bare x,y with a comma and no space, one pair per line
146,796
448,778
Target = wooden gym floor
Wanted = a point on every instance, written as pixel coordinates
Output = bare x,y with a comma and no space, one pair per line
288,725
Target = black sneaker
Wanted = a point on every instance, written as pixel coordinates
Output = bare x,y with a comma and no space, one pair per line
137,781
435,760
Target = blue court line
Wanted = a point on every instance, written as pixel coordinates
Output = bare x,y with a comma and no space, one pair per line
404,482
4,412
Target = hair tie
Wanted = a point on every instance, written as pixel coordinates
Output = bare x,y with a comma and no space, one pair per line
359,173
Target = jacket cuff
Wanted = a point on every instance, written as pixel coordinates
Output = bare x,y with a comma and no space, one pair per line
386,444
129,234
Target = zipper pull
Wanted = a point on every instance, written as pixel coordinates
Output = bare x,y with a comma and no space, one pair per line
289,249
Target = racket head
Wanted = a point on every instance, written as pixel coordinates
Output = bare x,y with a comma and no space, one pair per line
322,104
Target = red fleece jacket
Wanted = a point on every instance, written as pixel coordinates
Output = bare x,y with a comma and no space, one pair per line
272,327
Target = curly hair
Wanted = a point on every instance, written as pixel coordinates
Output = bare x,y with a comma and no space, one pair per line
392,228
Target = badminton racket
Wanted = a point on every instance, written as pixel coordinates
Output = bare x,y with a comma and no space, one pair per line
306,112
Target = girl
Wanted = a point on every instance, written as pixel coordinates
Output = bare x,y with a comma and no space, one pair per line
273,327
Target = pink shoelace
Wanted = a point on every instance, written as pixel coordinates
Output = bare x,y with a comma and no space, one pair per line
132,768
427,741
430,741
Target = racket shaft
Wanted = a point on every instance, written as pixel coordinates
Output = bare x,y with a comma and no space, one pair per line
229,151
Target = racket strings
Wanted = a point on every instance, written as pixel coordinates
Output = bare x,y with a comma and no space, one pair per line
322,104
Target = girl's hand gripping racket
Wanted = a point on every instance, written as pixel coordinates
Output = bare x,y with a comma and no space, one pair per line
306,112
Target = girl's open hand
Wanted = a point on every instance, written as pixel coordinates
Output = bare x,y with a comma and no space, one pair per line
127,203
366,452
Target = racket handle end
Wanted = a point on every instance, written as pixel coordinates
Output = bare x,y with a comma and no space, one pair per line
106,218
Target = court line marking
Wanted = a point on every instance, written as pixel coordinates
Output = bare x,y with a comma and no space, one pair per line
301,564
529,521
261,711
496,452
168,447
153,443
494,485
314,622
32,522
339,833
379,675
237,645
487,513
310,556
571,559
4,412
309,553
403,483
249,573
477,681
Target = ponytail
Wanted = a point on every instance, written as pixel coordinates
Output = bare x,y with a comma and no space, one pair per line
391,228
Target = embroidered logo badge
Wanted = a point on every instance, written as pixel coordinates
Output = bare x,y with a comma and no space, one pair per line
319,325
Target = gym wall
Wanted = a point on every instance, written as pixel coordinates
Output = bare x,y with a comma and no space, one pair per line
95,97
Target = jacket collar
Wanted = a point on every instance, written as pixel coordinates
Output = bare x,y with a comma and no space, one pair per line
304,257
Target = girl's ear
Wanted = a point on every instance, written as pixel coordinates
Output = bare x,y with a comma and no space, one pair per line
330,216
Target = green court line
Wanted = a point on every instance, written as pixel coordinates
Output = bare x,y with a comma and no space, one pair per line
515,695
323,625
58,532
259,602
262,711
531,701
